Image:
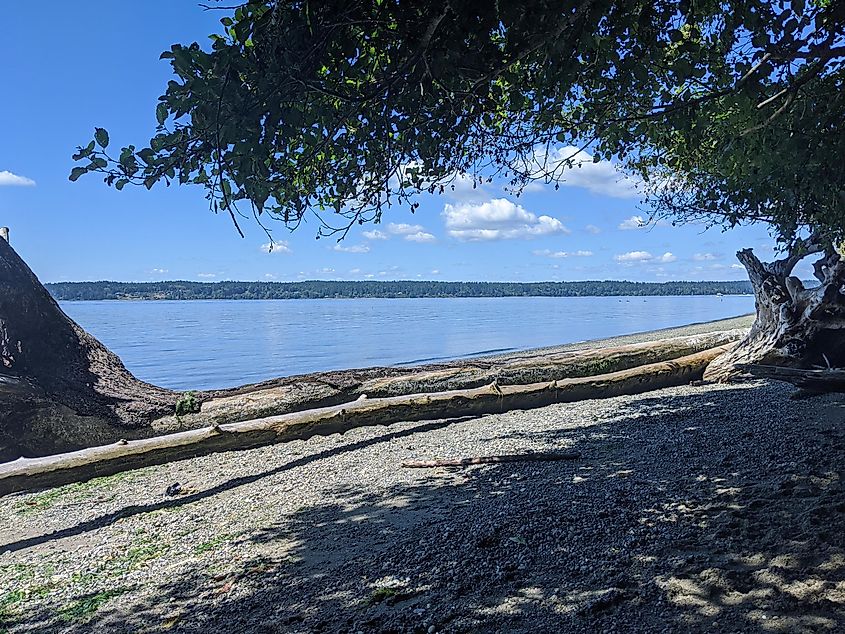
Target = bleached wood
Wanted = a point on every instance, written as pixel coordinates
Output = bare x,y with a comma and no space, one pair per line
49,471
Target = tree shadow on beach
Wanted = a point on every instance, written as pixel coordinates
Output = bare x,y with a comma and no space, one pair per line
681,515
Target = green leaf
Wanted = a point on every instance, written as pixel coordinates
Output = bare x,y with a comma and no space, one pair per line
161,113
76,172
102,137
123,182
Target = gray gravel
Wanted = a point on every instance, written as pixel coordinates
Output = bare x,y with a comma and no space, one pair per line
710,508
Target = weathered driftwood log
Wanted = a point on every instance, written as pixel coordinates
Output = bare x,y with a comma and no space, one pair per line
299,393
814,380
795,326
35,473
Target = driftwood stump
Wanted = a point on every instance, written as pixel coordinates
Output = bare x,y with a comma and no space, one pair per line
795,326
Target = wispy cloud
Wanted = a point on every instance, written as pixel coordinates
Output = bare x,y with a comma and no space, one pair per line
563,254
8,179
276,247
571,166
634,256
592,229
639,257
207,275
497,219
402,229
706,257
353,248
421,237
634,222
411,233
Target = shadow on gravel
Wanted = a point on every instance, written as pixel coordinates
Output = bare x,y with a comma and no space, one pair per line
717,511
175,502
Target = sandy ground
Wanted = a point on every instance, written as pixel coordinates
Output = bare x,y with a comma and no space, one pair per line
691,509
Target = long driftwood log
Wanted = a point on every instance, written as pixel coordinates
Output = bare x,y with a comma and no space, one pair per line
298,393
37,473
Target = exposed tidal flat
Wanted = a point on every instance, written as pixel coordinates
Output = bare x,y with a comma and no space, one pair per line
213,344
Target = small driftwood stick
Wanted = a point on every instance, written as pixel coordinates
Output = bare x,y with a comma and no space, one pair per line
512,457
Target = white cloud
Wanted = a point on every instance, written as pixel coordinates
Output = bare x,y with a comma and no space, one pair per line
412,233
402,229
644,256
206,275
354,271
634,256
592,229
270,276
435,271
563,254
497,219
737,266
159,271
705,257
276,247
13,180
576,168
375,234
355,248
634,222
422,237
325,269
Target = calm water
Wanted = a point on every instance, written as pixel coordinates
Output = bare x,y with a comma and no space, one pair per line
222,343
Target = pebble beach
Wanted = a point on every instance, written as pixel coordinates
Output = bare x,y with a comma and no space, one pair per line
714,508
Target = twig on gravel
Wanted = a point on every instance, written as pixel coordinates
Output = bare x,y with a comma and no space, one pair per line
516,457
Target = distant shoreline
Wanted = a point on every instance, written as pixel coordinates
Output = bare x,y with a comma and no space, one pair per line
371,289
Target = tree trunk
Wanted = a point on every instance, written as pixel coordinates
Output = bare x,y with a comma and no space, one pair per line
795,326
60,388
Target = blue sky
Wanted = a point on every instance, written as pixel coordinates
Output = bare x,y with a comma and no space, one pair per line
95,63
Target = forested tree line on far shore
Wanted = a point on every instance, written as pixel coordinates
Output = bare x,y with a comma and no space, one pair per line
316,289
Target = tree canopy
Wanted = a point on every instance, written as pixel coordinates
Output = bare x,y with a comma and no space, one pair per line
726,109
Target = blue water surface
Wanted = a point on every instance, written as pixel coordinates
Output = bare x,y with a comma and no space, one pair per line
209,344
